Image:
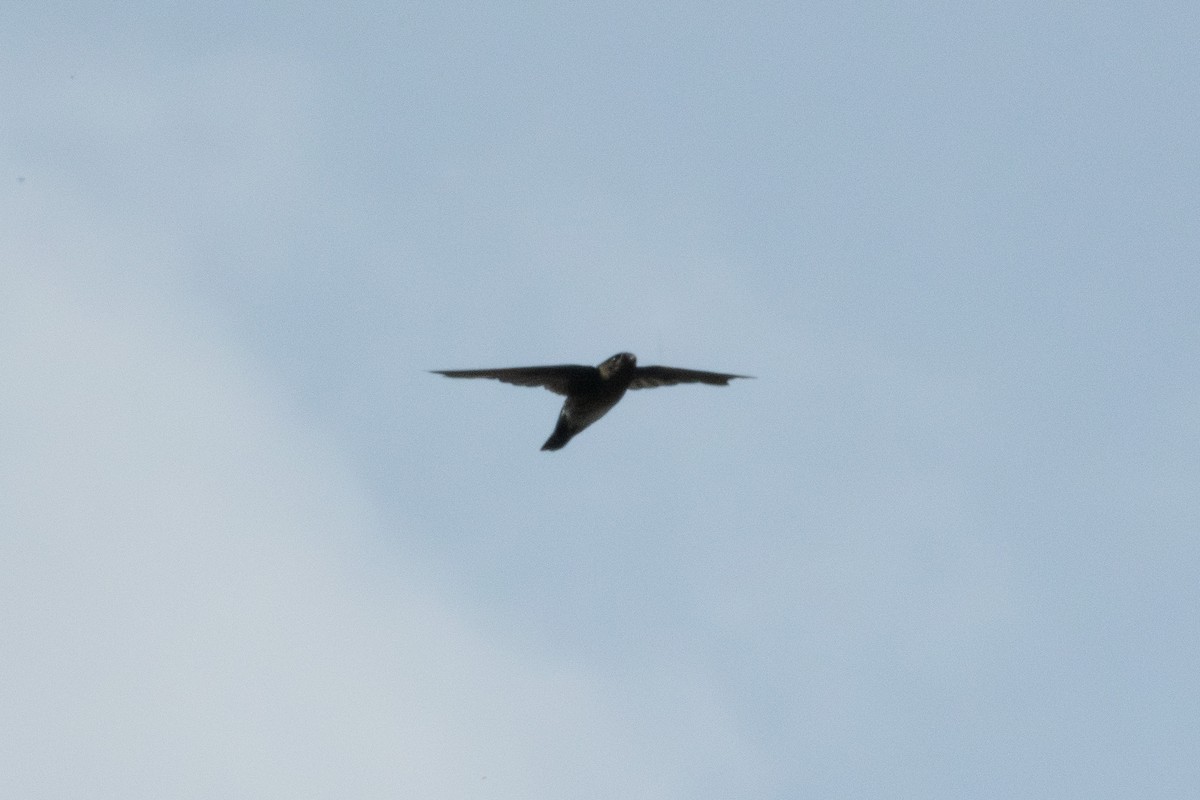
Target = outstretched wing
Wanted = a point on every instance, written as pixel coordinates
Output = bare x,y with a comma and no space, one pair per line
649,377
561,379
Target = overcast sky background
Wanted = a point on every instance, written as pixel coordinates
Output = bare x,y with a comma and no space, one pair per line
945,545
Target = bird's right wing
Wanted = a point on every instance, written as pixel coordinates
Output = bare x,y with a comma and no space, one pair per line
560,379
649,377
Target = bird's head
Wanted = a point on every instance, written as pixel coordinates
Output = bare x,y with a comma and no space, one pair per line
619,363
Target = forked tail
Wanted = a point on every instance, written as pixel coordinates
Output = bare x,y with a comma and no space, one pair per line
562,434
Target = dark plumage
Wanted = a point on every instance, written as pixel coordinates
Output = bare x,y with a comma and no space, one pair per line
591,391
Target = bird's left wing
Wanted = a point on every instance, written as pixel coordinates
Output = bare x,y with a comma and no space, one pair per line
649,377
560,379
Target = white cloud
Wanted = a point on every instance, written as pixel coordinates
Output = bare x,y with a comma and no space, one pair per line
197,600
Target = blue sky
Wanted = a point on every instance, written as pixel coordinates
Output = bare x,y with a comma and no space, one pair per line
944,546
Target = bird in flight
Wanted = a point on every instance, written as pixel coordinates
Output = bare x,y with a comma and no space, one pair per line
591,391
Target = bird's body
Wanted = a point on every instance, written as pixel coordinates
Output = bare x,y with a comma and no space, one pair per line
591,391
